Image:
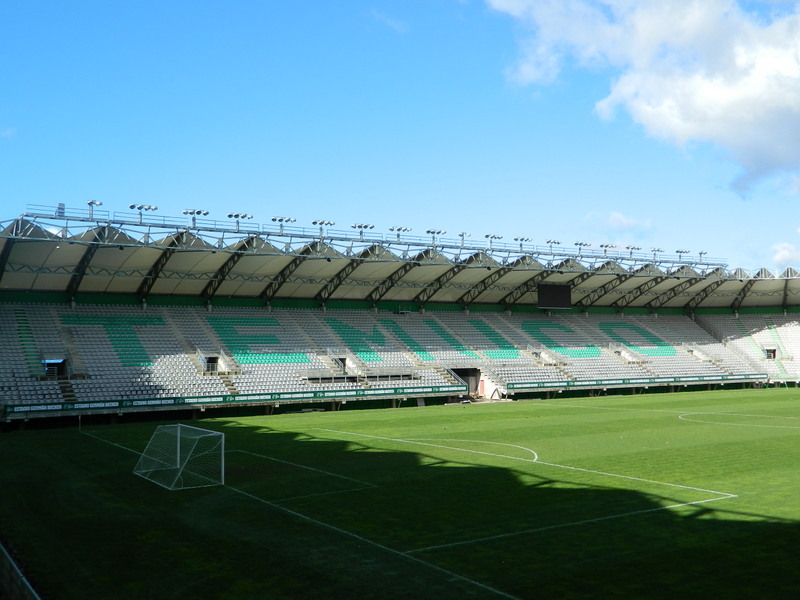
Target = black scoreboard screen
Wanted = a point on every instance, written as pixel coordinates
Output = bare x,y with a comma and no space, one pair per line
554,296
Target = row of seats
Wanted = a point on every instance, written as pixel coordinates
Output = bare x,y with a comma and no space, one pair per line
131,352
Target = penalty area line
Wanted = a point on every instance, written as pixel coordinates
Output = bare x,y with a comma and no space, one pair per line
534,460
299,466
501,536
717,494
110,442
372,543
344,532
419,442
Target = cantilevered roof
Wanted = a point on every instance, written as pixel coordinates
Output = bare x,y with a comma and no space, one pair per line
76,252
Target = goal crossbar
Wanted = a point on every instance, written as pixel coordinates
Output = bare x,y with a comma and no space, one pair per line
183,456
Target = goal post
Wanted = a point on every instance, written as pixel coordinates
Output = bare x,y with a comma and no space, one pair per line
182,456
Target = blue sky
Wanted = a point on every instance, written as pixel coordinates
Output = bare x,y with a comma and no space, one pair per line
668,123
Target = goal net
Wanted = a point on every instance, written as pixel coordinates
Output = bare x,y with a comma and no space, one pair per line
181,456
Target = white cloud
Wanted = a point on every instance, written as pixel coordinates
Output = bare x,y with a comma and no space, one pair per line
786,254
398,26
617,221
685,70
7,133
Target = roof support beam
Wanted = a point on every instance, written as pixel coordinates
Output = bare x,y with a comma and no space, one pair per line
637,292
219,277
580,278
529,286
594,296
100,236
277,283
387,284
668,295
785,294
704,293
155,271
10,241
483,285
671,293
326,292
5,254
434,286
743,294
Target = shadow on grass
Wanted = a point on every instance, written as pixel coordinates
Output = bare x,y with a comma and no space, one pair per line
323,515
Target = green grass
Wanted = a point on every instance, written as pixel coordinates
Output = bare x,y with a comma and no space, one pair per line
666,496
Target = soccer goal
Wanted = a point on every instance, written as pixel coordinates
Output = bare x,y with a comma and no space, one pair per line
179,457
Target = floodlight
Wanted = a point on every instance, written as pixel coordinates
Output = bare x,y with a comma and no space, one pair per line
281,221
92,204
399,229
237,216
194,212
581,246
361,227
322,223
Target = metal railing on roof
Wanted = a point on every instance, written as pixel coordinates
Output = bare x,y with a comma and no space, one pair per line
497,253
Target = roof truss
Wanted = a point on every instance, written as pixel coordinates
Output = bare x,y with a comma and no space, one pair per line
158,266
329,288
281,278
387,284
222,273
483,285
100,236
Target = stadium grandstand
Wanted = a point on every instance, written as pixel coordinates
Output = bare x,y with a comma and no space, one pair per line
115,312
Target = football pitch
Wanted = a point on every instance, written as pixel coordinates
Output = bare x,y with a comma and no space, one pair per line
692,495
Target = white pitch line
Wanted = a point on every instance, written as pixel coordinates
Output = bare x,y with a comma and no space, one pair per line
680,413
286,462
314,521
501,536
535,456
684,417
421,443
536,460
632,478
738,414
110,442
291,498
374,544
718,495
647,410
